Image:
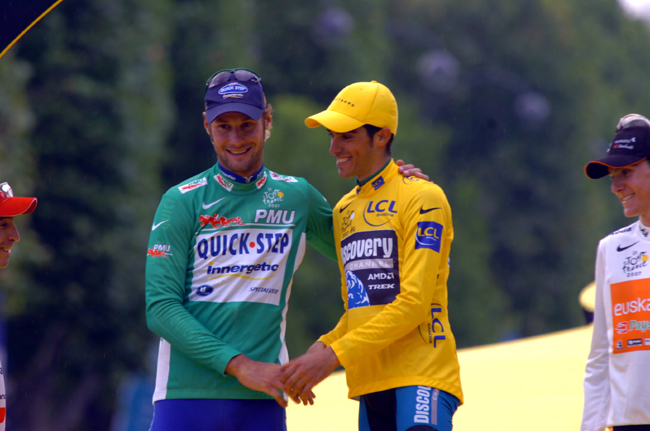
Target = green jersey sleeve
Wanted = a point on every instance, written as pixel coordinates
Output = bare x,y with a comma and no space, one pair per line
319,224
170,246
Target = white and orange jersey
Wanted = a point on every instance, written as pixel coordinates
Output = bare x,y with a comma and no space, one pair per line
617,378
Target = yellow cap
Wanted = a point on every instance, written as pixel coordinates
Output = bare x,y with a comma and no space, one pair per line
358,104
588,297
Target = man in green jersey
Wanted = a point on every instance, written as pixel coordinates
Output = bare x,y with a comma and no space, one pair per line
223,248
393,238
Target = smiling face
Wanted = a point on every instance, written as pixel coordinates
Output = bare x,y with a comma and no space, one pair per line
357,154
8,236
631,184
238,141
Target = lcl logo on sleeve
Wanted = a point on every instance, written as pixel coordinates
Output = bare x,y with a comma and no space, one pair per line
428,235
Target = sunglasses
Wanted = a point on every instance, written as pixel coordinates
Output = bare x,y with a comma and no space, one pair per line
225,75
632,120
5,192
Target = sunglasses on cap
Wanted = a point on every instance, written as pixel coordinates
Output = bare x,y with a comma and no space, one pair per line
223,76
5,192
632,120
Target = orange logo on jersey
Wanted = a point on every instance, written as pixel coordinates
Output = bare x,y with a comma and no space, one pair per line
218,221
156,253
631,315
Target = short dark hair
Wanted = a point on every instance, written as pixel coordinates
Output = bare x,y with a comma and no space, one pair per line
374,129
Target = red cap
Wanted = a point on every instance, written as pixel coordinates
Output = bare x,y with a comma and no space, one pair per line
11,206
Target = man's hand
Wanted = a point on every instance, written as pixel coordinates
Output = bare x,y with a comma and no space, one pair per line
259,376
408,170
303,373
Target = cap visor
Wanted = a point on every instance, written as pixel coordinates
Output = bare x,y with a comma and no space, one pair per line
333,121
253,112
17,206
600,168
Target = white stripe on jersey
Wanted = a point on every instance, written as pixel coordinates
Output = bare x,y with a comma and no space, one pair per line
162,371
300,253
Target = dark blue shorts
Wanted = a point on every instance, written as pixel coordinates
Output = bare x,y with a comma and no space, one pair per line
218,415
410,408
632,428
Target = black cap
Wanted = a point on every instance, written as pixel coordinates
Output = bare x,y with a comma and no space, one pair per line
234,94
630,146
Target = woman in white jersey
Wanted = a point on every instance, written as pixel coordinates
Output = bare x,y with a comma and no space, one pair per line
617,378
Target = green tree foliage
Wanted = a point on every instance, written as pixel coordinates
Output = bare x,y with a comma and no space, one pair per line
18,168
501,103
525,169
103,110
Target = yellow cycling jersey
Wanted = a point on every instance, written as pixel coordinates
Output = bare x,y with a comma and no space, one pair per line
393,236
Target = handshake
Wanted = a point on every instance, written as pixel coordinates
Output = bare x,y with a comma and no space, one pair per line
296,378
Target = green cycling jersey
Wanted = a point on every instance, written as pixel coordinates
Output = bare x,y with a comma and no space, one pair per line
220,264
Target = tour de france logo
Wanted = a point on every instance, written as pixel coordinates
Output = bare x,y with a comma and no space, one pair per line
271,197
632,265
346,224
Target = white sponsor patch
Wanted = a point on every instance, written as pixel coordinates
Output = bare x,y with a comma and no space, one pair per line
278,177
241,265
193,185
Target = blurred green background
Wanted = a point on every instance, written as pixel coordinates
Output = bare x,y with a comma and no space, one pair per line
501,103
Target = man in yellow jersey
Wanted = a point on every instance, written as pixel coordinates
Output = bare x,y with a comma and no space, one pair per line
393,235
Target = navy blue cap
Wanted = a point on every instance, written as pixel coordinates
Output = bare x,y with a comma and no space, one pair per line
235,96
630,146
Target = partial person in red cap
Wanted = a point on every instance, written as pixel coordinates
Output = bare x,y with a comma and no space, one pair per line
10,207
393,237
617,376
